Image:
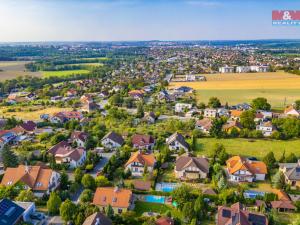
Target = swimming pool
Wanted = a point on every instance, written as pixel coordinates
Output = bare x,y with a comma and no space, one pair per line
253,194
166,187
155,199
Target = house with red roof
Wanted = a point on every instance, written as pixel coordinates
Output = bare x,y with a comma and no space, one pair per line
141,141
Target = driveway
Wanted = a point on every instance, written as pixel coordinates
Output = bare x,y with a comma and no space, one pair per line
99,167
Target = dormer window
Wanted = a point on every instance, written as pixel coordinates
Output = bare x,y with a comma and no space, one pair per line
38,184
114,199
9,182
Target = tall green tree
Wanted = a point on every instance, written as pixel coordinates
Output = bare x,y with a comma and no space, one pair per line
247,119
214,102
53,203
278,180
270,160
88,182
260,103
68,210
25,196
8,157
109,211
78,174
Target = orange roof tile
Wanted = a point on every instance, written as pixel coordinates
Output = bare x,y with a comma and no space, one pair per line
37,177
142,158
112,196
236,163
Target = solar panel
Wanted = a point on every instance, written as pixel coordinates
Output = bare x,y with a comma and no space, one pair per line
257,219
226,213
298,169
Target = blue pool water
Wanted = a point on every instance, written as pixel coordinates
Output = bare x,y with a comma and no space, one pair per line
155,199
166,187
253,194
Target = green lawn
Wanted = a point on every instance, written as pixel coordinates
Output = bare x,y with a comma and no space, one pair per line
141,207
257,148
63,73
276,97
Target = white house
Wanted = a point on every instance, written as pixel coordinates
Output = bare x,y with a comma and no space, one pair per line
243,69
241,169
226,69
181,107
266,128
112,140
211,113
137,162
176,142
190,77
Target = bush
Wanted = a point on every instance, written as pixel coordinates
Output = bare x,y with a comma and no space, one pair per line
89,167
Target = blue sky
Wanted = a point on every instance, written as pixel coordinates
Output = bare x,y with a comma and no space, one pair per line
115,20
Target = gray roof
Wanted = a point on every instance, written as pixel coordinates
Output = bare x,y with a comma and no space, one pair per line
92,219
114,137
187,161
179,138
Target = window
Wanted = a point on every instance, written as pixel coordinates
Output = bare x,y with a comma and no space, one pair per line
120,211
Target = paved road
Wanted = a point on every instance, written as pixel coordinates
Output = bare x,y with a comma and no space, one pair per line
98,167
102,163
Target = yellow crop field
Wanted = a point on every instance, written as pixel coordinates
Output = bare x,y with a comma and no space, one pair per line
279,88
30,112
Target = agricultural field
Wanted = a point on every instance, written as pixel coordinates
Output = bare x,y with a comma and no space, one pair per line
14,69
278,87
63,73
30,112
246,147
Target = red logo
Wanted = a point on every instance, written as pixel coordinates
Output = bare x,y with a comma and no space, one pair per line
286,15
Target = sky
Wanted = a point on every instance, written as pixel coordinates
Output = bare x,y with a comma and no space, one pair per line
131,20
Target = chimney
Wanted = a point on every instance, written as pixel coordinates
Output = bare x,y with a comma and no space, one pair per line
26,168
116,189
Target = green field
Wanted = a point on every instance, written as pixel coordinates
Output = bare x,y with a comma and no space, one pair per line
245,147
63,73
276,97
141,207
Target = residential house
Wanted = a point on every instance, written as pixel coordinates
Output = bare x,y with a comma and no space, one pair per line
184,89
182,107
235,114
28,127
242,169
291,173
118,198
86,98
112,140
230,125
29,208
204,125
40,179
149,118
291,111
79,138
191,168
210,113
283,206
190,77
176,142
267,128
97,218
90,107
62,117
71,93
10,213
65,154
141,141
164,96
164,221
237,214
6,137
138,161
223,112
136,94
226,69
